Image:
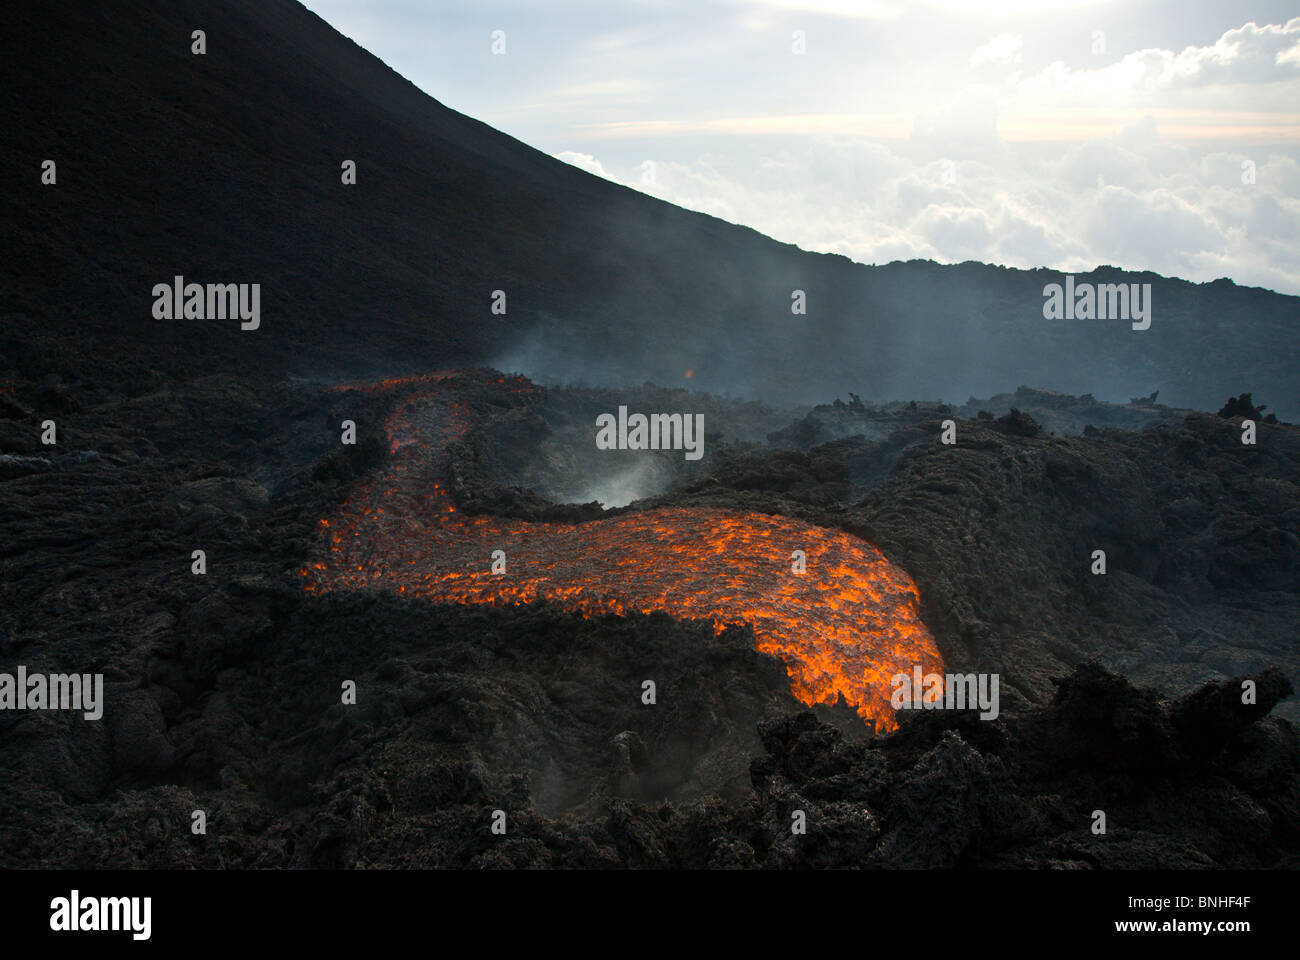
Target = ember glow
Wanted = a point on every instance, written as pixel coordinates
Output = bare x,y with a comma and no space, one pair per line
847,625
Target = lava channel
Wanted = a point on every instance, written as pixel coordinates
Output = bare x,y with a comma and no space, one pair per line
846,626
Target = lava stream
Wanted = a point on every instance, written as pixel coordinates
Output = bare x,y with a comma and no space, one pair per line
846,626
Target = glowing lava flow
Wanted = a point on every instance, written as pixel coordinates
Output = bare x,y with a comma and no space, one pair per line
847,625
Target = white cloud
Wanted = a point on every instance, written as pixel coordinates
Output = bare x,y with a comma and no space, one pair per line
586,162
1247,55
1005,48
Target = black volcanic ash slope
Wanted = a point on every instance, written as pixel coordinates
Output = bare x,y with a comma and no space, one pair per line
225,167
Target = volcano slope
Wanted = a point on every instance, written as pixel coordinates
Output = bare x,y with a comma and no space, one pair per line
223,690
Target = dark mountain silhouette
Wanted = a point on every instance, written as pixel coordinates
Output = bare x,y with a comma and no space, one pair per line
226,167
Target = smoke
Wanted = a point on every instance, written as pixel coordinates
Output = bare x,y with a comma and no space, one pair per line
619,489
912,331
547,355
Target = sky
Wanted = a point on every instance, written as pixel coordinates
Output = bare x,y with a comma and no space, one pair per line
1157,136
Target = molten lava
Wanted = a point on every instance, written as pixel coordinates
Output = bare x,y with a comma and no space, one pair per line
846,626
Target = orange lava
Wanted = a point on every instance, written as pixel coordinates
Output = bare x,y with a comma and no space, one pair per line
846,625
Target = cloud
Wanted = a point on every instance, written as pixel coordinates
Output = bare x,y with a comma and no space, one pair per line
586,162
1248,55
1005,48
